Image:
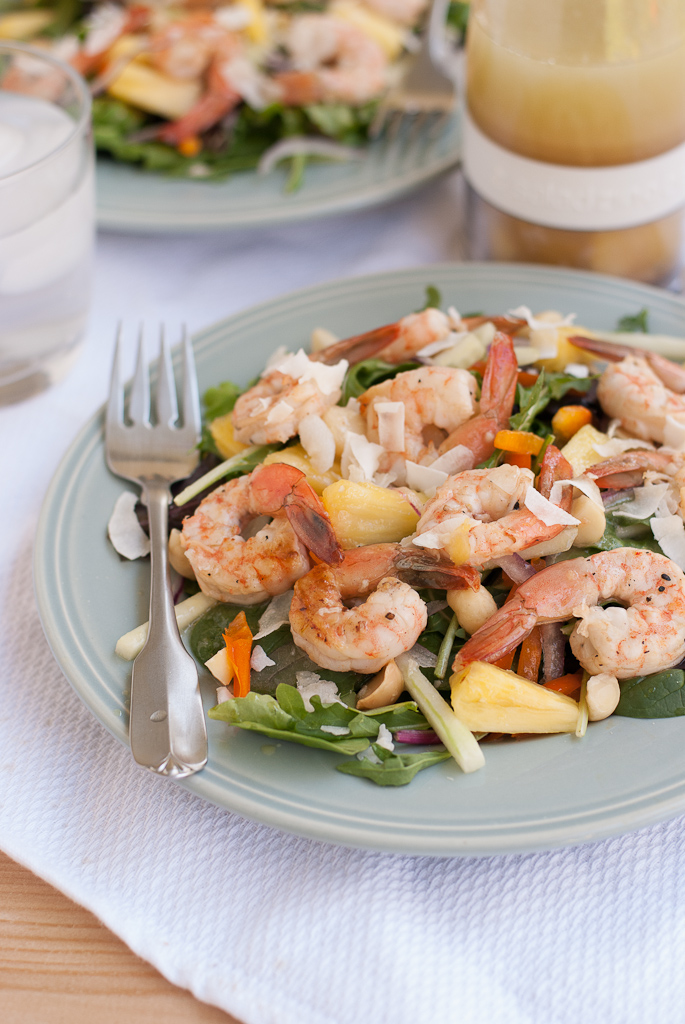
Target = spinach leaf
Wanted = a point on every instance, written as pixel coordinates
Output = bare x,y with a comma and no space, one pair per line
394,769
617,535
259,712
206,636
661,695
362,375
289,660
637,323
219,401
547,388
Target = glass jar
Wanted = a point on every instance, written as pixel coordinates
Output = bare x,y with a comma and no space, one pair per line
574,134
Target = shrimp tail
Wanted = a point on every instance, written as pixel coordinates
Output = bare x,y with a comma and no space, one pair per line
500,635
496,403
359,346
627,470
669,373
556,467
429,569
311,523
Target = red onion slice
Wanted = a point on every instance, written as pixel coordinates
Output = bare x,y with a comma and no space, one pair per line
307,146
553,650
420,736
516,568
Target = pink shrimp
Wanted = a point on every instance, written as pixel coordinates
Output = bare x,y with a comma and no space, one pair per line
238,570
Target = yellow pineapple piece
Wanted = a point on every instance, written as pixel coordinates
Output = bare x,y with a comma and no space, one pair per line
256,29
296,456
24,24
363,513
142,86
580,450
491,699
221,430
566,352
388,34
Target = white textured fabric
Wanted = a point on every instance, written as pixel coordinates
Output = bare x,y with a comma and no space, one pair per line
273,928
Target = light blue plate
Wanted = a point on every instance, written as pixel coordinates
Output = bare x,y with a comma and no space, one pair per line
550,791
129,199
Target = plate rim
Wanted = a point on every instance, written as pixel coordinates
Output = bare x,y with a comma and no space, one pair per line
586,826
350,200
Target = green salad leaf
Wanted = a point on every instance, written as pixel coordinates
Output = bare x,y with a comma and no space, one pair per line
394,769
433,298
637,323
661,695
360,377
547,388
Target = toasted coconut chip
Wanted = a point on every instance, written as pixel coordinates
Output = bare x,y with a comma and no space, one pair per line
456,460
301,368
670,535
276,615
674,434
582,483
125,532
619,445
424,478
259,659
360,458
318,442
391,425
645,502
546,512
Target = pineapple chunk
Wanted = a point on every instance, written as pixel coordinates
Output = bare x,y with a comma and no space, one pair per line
580,450
363,513
491,699
154,92
566,352
256,28
296,456
24,24
221,430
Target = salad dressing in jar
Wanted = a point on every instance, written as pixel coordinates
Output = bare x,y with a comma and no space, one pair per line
574,137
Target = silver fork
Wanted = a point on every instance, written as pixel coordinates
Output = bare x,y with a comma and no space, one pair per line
424,93
167,726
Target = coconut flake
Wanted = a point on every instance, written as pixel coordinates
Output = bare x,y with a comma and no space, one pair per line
583,484
279,412
674,434
390,425
233,17
544,320
321,338
275,358
360,458
546,512
578,370
125,532
645,502
440,346
276,615
318,442
369,755
619,445
422,656
424,478
669,532
224,693
454,318
456,460
384,738
299,366
439,536
259,659
310,684
336,730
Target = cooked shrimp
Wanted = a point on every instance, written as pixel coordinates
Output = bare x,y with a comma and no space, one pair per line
334,62
233,569
646,635
641,391
272,410
387,623
439,397
404,339
485,508
496,403
630,468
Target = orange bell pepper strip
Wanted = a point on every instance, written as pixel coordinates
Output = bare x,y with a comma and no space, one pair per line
568,420
530,656
568,684
521,442
518,459
527,379
238,640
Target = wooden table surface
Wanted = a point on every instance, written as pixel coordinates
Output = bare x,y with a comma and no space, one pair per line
59,965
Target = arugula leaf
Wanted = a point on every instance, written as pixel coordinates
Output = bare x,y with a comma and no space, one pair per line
394,769
547,388
458,16
260,712
433,298
635,535
637,323
362,375
405,715
219,401
661,695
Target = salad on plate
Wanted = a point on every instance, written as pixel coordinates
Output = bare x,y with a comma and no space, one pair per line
204,88
449,531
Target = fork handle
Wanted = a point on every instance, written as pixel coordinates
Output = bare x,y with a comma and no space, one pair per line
167,724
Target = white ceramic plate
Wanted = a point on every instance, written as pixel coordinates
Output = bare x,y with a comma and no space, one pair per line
544,792
129,199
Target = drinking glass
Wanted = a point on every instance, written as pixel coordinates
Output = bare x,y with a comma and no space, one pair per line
46,218
575,133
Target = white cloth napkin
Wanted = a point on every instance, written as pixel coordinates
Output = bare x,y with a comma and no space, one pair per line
273,928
